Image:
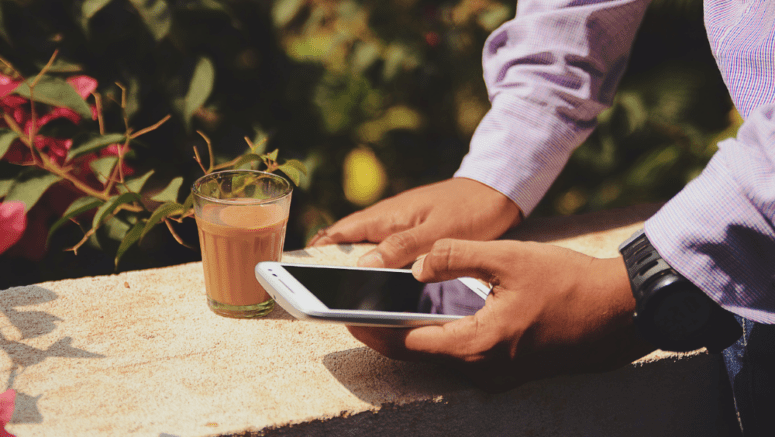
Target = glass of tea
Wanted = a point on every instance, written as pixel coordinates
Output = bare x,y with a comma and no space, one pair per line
241,216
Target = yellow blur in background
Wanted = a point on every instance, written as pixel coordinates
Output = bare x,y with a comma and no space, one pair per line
364,178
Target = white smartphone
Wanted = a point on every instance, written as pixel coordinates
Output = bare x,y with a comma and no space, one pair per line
371,297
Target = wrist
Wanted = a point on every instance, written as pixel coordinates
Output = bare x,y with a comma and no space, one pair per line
670,311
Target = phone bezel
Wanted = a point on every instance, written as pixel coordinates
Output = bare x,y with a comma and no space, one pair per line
297,300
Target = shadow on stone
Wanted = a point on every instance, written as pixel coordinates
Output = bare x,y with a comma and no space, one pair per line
25,325
378,380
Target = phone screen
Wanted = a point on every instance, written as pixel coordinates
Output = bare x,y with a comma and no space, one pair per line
346,289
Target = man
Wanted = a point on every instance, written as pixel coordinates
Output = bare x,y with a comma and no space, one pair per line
549,73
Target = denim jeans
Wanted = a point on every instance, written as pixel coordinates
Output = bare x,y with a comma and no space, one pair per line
751,368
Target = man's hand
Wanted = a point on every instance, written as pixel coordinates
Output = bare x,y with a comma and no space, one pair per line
551,311
405,226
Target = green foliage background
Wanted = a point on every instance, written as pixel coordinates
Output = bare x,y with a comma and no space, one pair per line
319,78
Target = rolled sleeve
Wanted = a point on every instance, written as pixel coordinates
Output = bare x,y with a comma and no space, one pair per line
549,73
718,231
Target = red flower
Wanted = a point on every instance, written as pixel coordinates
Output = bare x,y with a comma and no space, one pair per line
7,405
13,221
31,228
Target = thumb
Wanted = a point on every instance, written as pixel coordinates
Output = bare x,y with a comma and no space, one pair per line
450,259
399,249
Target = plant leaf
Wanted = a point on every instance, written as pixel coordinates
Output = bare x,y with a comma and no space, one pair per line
55,92
88,9
188,203
273,154
136,184
293,171
7,137
78,207
199,89
161,212
283,11
102,167
295,163
170,193
156,15
130,238
94,144
114,202
5,186
30,187
248,157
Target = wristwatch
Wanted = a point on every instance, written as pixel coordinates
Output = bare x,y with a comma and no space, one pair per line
671,312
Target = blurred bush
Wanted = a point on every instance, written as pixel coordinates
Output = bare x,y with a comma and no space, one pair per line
375,97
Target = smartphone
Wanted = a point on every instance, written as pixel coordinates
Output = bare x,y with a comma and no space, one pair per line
370,297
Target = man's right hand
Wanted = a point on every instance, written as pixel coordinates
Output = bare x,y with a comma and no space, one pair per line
407,225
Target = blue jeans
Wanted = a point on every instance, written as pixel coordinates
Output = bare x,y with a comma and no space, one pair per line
751,368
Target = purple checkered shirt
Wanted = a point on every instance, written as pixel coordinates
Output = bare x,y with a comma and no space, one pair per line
555,67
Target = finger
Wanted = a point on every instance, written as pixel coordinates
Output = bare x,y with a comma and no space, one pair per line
450,259
365,225
351,229
399,249
441,343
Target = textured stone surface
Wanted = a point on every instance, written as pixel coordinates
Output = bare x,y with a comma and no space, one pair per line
139,353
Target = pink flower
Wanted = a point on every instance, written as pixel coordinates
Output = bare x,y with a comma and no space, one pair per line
13,221
7,85
7,405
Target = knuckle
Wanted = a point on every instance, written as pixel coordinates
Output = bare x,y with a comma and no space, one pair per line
402,243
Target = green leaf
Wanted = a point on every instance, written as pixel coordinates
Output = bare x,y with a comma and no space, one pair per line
131,237
114,202
78,207
88,9
55,92
164,211
5,186
246,158
7,137
188,203
199,89
294,169
102,167
156,15
30,187
295,163
170,193
293,173
283,11
94,144
135,185
273,154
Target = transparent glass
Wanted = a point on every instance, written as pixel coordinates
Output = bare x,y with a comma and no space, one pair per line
241,216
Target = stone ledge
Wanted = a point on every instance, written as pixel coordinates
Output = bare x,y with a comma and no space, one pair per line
138,353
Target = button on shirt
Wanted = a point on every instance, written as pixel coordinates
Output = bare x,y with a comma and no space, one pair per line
555,67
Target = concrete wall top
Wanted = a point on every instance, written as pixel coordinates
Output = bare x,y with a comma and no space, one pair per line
139,353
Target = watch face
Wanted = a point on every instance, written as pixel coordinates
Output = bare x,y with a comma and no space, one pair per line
682,314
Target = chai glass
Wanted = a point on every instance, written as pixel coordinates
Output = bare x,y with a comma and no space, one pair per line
241,216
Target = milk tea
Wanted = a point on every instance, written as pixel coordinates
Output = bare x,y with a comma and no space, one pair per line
234,238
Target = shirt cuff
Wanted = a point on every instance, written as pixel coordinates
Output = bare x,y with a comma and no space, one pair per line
519,148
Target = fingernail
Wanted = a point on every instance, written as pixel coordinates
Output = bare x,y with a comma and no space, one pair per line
371,259
417,267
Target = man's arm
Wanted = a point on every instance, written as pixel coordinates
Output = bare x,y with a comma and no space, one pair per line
718,231
549,73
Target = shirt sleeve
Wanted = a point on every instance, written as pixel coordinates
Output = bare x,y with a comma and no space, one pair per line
718,231
549,73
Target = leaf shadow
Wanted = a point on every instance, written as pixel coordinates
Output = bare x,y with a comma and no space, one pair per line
31,324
